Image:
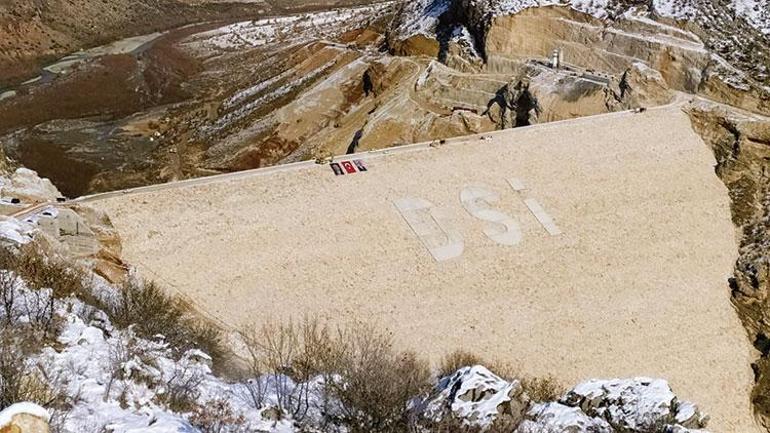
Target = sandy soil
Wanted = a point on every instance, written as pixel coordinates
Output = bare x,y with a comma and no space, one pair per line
635,285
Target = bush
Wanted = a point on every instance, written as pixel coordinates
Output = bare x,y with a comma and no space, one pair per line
42,272
182,388
217,417
8,293
376,382
153,312
46,279
458,359
543,389
284,358
370,382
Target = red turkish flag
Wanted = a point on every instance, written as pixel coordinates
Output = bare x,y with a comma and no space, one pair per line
349,167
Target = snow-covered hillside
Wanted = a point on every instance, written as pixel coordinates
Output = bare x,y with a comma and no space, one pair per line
756,12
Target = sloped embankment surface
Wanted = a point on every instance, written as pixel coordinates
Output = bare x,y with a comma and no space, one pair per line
632,282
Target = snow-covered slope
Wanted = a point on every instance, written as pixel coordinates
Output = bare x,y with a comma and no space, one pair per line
756,12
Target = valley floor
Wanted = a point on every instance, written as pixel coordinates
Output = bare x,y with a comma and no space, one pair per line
633,282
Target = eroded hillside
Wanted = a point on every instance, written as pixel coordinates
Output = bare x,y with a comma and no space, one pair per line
218,97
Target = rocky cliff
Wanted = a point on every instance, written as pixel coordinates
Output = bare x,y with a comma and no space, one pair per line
719,49
742,148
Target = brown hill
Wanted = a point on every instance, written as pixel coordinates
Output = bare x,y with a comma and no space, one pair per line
34,32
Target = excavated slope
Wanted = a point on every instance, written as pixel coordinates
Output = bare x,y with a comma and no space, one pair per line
630,279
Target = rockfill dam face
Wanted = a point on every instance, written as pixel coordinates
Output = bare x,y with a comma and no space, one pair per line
598,247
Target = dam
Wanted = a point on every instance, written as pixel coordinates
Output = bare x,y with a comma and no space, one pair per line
595,247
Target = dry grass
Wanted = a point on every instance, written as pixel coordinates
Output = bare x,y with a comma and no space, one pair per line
457,360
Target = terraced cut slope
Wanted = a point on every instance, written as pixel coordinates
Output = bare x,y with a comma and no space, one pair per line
633,281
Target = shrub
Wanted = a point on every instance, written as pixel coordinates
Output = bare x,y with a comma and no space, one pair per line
42,272
46,279
40,308
505,370
543,389
153,312
460,358
182,387
19,382
8,291
284,358
376,382
370,382
217,417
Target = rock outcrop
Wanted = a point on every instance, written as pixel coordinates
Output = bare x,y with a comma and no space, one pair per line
515,105
640,404
694,45
27,187
24,418
29,211
642,86
556,417
477,397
